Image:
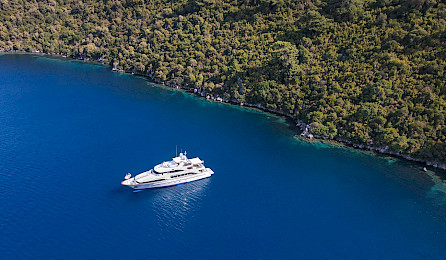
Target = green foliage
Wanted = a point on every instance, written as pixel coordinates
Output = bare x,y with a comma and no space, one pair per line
369,71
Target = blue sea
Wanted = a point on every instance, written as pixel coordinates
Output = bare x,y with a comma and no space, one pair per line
70,131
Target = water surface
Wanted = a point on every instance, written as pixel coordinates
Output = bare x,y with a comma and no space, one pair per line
70,131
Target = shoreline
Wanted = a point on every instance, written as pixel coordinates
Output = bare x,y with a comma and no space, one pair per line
304,128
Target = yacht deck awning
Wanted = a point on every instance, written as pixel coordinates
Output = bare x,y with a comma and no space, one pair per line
195,160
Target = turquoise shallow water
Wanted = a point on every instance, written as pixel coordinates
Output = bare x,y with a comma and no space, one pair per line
70,131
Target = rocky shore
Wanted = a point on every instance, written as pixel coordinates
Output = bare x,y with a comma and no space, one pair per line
304,128
306,133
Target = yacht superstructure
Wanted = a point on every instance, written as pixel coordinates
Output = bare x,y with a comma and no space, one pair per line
179,170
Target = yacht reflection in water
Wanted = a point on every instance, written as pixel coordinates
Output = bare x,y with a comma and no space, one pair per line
175,206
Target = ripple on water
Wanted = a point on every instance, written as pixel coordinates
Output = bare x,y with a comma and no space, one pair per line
175,206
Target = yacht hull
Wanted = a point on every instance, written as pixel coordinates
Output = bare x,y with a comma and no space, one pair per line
167,182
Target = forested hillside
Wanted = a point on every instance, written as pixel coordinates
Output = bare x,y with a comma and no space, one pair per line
368,71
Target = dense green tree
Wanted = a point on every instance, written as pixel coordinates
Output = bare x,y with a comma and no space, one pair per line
372,72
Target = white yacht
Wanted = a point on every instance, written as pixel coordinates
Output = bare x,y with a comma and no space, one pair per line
179,170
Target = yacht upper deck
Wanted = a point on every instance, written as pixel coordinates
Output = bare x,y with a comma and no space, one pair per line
178,163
